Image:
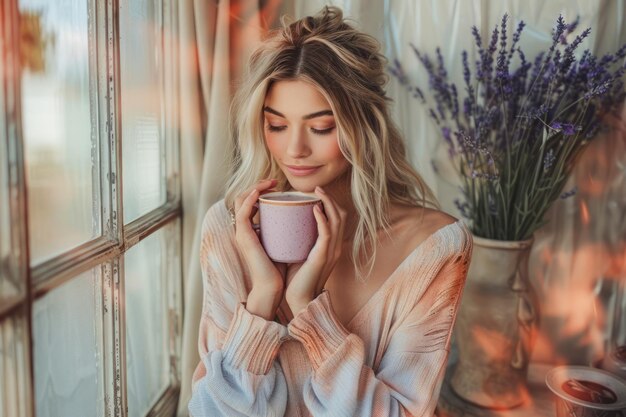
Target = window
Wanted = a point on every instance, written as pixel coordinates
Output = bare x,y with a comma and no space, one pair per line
90,217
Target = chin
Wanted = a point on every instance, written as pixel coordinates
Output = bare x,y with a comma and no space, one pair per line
301,188
304,185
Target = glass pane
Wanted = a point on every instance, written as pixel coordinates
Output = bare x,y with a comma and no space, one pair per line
146,323
13,369
142,103
10,286
58,117
67,352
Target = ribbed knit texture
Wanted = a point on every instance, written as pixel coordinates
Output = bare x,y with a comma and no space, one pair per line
388,361
252,342
318,330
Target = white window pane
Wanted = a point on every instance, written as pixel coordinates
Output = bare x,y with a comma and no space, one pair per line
13,369
58,119
142,103
147,363
67,354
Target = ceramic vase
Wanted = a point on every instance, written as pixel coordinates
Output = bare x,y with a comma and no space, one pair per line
496,326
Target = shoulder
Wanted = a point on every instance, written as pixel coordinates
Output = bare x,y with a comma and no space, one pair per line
417,225
216,214
431,220
453,233
450,227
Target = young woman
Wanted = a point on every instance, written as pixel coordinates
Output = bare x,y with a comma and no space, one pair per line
362,327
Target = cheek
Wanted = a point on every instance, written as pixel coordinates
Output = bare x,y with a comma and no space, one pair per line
332,152
273,146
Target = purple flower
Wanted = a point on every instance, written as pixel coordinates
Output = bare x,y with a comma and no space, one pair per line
597,90
445,131
569,193
434,166
570,27
466,70
467,107
512,111
477,38
440,66
433,116
568,56
463,208
568,129
417,93
548,160
560,29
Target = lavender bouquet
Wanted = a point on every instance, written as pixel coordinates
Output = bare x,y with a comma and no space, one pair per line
517,133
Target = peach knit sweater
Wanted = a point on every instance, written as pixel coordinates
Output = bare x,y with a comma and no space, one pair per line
388,361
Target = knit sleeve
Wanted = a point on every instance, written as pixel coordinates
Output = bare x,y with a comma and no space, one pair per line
238,374
408,380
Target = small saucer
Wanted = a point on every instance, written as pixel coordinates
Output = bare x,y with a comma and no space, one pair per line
564,381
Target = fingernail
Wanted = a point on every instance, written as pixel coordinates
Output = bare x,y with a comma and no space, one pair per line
253,192
319,190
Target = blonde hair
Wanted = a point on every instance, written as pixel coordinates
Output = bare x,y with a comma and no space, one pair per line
346,66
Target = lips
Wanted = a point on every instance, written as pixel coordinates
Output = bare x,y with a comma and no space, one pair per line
302,170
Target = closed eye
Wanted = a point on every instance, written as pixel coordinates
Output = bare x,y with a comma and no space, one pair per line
322,131
272,128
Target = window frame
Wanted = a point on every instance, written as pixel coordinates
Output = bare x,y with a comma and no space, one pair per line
17,269
106,251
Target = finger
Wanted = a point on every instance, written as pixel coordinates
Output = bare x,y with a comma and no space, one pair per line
335,220
324,235
330,207
343,215
327,243
331,211
242,216
261,186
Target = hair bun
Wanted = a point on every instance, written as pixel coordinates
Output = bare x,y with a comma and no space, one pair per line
329,19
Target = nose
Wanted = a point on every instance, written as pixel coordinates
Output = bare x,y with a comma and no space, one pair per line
298,146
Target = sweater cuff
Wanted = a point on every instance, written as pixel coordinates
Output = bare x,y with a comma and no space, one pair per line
318,329
252,342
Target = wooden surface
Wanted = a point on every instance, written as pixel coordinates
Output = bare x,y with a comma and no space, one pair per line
541,403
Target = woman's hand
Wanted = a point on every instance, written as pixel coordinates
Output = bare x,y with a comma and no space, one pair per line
267,281
305,281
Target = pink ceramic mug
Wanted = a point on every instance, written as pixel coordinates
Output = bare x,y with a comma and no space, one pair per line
288,226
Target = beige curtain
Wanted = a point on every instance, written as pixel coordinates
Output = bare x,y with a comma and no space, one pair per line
216,39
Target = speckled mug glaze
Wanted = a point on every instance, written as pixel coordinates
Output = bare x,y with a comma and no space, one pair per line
288,226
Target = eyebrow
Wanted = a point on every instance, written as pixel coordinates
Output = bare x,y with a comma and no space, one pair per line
307,117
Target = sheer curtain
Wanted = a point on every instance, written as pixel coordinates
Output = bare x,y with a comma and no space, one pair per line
216,39
573,252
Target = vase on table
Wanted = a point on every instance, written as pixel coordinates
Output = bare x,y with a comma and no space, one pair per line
496,325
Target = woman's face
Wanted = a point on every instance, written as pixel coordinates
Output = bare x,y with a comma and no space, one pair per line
301,134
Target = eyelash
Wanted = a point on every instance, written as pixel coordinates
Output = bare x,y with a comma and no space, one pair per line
315,131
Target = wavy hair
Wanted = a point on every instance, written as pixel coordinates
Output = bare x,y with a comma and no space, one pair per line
346,66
